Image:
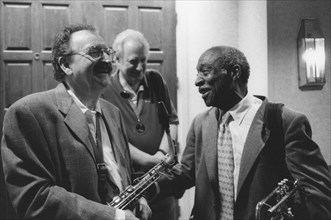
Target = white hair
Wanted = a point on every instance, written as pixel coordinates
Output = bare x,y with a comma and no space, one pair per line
128,35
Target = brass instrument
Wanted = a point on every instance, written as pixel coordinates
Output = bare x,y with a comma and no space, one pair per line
281,197
133,192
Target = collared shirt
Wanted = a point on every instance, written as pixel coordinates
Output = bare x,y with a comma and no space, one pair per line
154,91
243,114
133,94
108,155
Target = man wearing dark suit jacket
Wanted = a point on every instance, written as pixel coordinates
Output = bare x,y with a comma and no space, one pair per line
260,160
57,143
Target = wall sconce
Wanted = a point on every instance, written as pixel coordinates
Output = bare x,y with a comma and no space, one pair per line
311,55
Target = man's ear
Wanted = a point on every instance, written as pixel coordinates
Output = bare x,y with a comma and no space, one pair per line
65,66
236,72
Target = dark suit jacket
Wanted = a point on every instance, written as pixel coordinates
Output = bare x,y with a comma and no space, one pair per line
260,167
48,159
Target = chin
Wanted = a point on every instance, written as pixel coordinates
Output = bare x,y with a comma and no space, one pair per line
208,103
103,82
209,100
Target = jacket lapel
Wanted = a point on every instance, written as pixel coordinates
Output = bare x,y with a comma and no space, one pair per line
209,133
255,142
74,118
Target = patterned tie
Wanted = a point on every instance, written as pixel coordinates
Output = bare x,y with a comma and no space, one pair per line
225,169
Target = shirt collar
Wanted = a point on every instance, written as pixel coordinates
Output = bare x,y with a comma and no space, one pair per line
239,111
127,87
83,107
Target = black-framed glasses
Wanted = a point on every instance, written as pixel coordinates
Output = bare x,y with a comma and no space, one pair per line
96,52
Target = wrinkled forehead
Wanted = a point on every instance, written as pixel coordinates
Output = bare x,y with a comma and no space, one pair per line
85,38
133,45
207,60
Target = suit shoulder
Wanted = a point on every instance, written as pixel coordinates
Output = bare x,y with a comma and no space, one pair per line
289,114
295,119
202,116
39,100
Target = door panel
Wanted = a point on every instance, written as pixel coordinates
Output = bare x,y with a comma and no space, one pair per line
114,15
16,50
150,21
54,17
18,80
18,16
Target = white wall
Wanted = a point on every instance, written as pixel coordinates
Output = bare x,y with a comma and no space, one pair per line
284,20
201,25
252,32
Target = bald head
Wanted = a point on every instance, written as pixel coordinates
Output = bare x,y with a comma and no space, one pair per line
225,57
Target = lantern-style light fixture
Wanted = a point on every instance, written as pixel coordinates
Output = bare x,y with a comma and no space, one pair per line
311,55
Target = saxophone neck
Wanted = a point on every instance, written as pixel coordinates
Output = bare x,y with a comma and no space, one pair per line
164,117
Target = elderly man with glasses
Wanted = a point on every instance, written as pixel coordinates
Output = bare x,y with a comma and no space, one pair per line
65,151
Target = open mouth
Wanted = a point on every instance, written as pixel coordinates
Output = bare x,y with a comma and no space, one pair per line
103,67
204,92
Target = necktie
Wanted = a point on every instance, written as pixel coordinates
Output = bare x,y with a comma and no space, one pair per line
225,169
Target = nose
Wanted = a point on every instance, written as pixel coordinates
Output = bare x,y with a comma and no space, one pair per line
141,65
106,57
199,80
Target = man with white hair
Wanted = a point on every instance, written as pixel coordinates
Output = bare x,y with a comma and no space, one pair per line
136,92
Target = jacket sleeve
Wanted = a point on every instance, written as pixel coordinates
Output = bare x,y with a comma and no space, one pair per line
306,164
182,175
31,177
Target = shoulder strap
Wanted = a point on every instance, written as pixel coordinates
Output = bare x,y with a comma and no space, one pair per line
156,83
273,119
274,122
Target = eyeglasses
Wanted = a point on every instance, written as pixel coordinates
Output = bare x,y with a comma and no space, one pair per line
95,52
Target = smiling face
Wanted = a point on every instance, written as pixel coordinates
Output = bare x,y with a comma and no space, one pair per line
132,62
215,83
85,73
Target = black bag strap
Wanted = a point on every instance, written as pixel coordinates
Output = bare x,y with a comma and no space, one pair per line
156,83
100,164
274,122
273,119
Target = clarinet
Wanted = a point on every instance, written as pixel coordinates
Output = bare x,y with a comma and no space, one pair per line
133,192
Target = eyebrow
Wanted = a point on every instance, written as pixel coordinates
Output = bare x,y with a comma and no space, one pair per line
204,66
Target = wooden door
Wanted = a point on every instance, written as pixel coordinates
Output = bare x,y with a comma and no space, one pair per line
27,29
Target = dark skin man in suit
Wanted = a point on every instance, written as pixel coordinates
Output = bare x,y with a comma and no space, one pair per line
260,159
